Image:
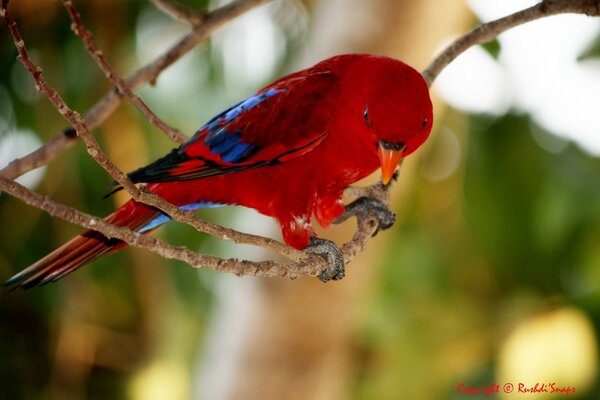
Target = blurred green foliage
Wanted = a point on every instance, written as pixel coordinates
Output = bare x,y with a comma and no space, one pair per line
592,51
520,235
492,47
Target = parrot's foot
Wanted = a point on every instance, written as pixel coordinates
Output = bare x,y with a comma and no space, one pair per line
369,206
335,260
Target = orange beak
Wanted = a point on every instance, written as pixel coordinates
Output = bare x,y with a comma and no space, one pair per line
389,159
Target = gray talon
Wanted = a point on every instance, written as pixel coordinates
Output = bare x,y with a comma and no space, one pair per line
335,260
367,206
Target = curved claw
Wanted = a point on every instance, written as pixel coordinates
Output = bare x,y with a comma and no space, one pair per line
369,206
330,251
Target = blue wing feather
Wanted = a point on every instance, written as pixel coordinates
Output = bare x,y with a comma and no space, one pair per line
223,142
162,218
230,142
228,145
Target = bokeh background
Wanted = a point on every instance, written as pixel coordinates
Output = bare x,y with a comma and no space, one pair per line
491,274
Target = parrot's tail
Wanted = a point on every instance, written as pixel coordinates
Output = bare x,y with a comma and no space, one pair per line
86,247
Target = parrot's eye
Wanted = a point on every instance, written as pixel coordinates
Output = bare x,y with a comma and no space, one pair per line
424,124
366,115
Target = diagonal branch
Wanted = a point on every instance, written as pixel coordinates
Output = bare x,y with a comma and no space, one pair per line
98,56
180,11
489,31
147,74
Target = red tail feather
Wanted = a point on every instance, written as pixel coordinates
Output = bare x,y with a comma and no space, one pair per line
82,249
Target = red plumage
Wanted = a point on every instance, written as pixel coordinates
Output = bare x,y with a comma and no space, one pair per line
287,151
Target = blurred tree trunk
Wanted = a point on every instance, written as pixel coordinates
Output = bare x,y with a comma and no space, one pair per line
297,340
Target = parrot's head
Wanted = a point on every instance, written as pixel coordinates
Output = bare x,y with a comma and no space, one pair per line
396,109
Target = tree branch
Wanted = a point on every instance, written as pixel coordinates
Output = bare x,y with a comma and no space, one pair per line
310,266
147,74
180,12
489,31
85,35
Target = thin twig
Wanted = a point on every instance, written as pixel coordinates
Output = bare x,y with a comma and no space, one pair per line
147,74
98,56
180,12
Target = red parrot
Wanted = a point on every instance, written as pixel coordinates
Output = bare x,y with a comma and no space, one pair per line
288,151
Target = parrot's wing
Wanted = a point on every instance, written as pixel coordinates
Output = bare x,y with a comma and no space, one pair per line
279,123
